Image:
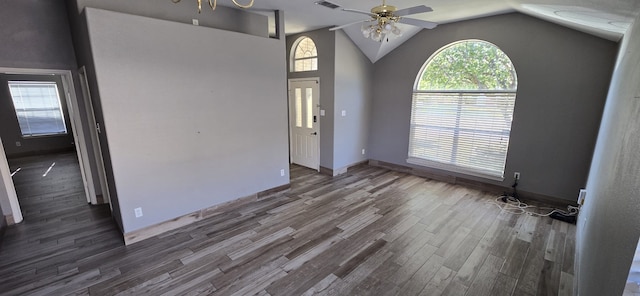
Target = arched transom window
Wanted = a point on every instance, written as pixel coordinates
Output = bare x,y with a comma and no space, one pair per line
305,55
462,110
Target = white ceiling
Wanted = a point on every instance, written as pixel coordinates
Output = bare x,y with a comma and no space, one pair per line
604,18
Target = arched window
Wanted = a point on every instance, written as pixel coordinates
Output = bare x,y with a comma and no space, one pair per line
462,110
304,55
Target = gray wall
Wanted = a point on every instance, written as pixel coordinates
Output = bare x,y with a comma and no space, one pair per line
223,18
4,202
609,224
35,34
563,77
188,127
325,41
2,206
353,76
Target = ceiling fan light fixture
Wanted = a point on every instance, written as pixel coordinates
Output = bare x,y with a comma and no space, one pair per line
396,31
366,30
381,29
377,36
385,19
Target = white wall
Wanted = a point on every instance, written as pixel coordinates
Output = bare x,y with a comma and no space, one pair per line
609,223
353,75
194,116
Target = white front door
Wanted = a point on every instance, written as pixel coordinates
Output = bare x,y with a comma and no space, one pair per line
304,122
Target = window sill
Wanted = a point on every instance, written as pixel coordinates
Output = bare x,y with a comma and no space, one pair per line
453,169
44,136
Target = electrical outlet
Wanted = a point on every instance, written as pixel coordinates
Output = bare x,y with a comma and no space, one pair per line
516,175
363,151
138,212
322,112
18,144
195,22
581,196
282,173
344,112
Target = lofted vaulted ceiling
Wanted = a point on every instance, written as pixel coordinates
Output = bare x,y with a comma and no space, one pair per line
604,18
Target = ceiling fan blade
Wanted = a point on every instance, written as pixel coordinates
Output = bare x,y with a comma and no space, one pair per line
349,24
413,10
418,23
360,12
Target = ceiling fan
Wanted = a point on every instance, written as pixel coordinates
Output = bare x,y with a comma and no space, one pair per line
384,18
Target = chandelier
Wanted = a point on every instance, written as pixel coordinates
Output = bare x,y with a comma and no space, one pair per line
381,29
213,4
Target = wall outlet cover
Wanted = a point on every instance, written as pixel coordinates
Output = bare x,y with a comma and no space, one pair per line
581,196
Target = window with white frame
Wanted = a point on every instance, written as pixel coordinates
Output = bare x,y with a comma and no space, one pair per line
462,110
305,55
38,108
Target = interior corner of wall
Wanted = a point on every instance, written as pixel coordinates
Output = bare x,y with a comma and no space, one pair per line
340,171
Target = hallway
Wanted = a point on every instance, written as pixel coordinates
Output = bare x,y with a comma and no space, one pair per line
59,226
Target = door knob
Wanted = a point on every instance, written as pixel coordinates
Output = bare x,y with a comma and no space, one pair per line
314,133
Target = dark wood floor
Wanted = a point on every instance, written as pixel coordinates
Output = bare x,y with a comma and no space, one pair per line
368,232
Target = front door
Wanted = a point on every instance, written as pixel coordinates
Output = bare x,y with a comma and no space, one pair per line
304,122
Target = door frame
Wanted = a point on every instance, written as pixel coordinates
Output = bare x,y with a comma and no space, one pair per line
94,140
78,136
290,103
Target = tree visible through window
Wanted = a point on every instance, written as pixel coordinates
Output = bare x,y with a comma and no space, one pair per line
462,109
305,57
38,108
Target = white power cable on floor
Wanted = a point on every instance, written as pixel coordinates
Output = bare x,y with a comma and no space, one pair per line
517,207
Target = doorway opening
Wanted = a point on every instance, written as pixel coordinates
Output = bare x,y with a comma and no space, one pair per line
42,127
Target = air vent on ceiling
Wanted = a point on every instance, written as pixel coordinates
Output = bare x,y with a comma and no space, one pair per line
328,4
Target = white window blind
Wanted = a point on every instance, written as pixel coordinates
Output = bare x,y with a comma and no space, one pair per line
465,132
462,109
38,108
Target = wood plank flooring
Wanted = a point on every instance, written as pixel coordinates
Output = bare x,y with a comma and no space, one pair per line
370,231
